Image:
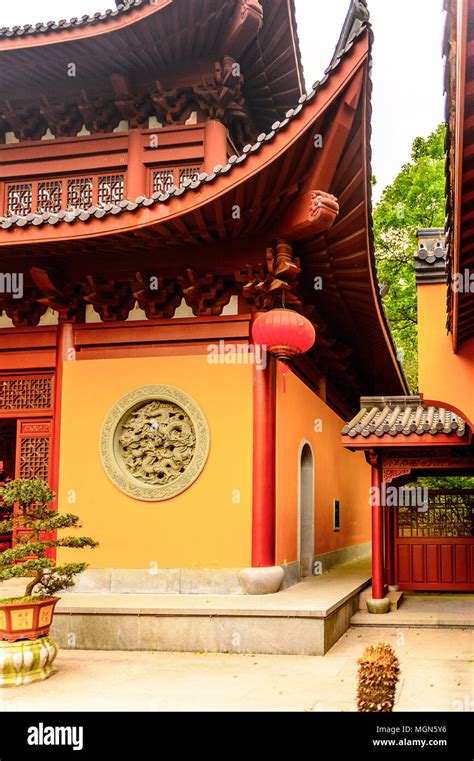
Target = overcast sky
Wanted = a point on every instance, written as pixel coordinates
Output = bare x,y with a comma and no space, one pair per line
407,73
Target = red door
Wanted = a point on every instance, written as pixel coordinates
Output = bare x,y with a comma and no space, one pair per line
434,550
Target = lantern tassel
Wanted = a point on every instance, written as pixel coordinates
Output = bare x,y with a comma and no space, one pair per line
284,372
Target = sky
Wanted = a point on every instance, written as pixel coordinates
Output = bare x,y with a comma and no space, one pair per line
408,96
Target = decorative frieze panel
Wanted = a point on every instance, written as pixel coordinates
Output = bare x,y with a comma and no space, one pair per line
25,393
50,196
164,179
110,189
79,193
154,443
54,195
19,199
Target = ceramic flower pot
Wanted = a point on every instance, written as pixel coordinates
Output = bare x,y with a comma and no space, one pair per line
26,620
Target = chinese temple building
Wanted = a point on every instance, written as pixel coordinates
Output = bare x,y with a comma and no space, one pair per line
166,177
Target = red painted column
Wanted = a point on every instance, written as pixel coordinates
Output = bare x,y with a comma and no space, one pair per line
389,545
64,353
215,145
378,588
264,465
136,169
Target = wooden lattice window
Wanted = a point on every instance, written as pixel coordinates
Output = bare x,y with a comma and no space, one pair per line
165,179
34,457
50,196
79,193
189,173
110,189
449,514
25,393
20,199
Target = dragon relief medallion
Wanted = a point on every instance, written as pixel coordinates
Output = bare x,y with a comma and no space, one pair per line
154,443
158,442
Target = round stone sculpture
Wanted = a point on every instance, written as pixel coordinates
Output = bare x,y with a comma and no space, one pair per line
27,661
154,443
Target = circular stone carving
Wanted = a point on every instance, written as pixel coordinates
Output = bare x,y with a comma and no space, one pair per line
154,443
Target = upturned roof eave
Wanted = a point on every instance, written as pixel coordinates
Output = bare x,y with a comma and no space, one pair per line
146,212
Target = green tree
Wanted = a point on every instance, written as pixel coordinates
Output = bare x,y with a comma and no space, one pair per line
36,520
416,198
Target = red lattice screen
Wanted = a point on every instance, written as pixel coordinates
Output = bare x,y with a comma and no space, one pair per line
54,195
110,189
19,199
25,393
79,193
449,514
33,454
50,196
164,179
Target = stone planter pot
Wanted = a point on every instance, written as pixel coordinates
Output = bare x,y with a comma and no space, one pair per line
27,661
26,620
261,581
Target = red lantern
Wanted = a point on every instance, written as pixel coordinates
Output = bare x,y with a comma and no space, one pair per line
284,333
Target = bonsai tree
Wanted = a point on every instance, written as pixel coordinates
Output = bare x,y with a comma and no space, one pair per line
35,521
378,676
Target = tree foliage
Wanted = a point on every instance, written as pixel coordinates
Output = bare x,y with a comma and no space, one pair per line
35,522
415,199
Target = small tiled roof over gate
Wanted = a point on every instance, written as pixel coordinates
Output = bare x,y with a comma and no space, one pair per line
402,416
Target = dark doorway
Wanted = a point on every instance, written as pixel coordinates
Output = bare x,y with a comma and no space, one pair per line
7,469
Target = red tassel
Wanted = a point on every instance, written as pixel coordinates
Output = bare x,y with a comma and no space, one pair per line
284,371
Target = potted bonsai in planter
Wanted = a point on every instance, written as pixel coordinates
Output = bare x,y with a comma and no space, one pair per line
25,620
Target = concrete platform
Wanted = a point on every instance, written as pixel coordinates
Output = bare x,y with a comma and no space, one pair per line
306,619
425,609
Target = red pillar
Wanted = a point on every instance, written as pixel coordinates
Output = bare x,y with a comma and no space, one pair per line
264,466
215,145
64,353
389,545
136,169
378,587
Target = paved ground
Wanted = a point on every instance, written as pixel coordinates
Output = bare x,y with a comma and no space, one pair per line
437,675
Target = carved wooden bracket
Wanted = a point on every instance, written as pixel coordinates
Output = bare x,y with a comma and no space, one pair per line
26,123
111,300
64,298
25,311
389,474
269,284
158,303
206,294
130,104
312,213
62,119
98,113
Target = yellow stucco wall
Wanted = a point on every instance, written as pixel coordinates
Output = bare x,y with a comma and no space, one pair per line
338,474
444,377
203,527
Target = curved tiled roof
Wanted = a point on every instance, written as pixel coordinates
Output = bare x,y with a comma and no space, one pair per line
83,215
55,26
402,416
